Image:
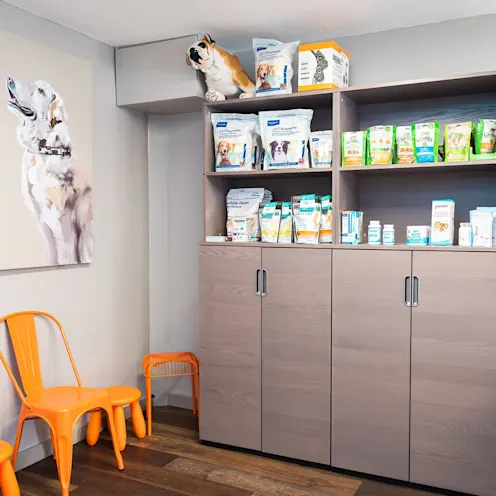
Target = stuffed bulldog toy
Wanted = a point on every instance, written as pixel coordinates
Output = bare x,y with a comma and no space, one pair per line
223,72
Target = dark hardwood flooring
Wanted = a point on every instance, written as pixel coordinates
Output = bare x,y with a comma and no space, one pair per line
173,463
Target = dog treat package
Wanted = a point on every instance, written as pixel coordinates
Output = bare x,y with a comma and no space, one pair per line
354,148
323,65
321,148
286,225
256,154
325,234
285,136
307,212
233,137
404,145
270,219
457,141
425,142
380,145
242,213
274,66
484,136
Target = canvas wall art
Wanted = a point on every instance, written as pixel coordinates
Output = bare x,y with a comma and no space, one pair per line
46,211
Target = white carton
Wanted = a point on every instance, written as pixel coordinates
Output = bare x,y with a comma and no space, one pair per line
351,227
443,222
482,228
493,211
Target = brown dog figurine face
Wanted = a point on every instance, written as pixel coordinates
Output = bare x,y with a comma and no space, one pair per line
200,54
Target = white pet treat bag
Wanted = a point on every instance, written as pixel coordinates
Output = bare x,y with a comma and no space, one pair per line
321,148
256,154
274,66
233,137
285,136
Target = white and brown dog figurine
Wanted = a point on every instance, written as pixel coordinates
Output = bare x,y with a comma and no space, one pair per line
55,188
223,72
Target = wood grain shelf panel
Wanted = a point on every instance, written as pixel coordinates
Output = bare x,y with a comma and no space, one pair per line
473,165
276,172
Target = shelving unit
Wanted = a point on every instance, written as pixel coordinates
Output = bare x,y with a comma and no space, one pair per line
394,194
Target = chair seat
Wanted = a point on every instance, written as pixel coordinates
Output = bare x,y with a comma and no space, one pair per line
123,395
64,398
5,451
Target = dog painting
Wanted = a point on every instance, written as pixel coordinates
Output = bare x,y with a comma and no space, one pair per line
55,187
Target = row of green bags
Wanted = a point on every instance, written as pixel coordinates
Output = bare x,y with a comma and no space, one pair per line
418,143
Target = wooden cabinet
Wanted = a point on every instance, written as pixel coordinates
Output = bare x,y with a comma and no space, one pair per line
371,362
453,431
155,78
230,346
296,357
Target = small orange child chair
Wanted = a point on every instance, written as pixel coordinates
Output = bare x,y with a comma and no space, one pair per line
171,364
8,481
59,407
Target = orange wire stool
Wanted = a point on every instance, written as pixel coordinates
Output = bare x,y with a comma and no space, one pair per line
171,364
8,481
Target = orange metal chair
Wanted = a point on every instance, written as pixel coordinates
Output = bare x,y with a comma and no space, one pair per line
119,397
171,364
59,407
8,481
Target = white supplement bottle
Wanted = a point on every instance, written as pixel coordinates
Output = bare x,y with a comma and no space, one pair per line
465,234
388,234
374,232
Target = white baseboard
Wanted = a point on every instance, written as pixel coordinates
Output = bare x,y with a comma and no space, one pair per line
180,401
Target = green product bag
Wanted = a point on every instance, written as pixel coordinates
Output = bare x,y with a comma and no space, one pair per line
353,148
457,141
484,136
380,144
425,142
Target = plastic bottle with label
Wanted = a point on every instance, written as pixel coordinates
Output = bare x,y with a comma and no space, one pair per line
374,233
465,234
388,234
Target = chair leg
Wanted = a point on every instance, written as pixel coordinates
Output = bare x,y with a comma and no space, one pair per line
20,426
8,481
63,438
120,427
54,445
149,404
198,393
138,420
113,435
193,394
94,427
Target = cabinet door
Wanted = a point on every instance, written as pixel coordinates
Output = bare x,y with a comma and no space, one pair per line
230,346
296,332
453,443
371,362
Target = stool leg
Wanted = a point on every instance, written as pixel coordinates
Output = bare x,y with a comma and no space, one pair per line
149,404
193,394
94,426
138,420
198,393
8,481
120,427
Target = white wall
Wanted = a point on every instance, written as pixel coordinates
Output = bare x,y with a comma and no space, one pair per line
104,306
433,50
175,201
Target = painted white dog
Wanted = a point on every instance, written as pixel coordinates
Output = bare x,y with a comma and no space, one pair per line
54,187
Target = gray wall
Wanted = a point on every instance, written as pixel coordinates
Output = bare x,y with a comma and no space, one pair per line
432,50
104,306
175,200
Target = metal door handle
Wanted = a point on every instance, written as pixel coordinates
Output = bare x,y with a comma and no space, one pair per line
265,281
259,281
408,291
416,284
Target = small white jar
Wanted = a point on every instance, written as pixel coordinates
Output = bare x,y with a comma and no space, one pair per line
374,233
465,237
388,234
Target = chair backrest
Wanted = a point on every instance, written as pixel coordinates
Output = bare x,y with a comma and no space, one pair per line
22,330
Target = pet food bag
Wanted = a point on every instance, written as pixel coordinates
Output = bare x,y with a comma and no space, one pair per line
286,225
457,141
354,148
285,136
380,145
274,66
321,149
270,219
323,65
242,213
325,234
404,145
425,142
484,136
233,137
307,212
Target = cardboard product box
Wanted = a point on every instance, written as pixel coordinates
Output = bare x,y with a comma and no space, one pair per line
323,65
443,222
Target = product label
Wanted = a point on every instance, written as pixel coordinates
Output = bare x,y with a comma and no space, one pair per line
425,142
381,139
404,145
353,149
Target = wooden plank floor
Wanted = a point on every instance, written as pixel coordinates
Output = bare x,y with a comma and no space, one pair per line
173,463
